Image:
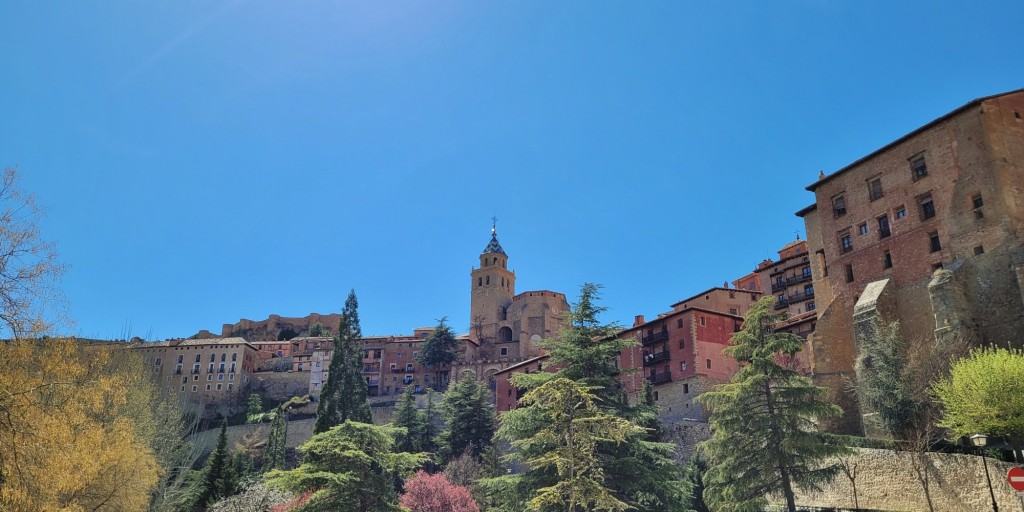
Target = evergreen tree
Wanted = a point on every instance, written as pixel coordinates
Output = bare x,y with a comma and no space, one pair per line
640,471
409,418
344,395
318,330
763,422
469,418
350,468
440,348
274,453
255,407
567,444
428,439
216,474
882,385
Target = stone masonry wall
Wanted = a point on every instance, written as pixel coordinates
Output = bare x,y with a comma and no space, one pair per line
886,480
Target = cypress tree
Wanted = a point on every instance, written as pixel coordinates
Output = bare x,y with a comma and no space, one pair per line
213,486
344,395
273,454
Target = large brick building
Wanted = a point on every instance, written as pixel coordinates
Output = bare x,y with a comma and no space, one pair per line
926,230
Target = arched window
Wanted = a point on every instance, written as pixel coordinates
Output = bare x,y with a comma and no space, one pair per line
505,334
495,261
479,281
488,279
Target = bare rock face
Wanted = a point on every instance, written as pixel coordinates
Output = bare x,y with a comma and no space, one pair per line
274,327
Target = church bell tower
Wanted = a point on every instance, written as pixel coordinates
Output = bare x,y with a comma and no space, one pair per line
493,286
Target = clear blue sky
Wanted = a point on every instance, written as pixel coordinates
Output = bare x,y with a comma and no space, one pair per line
209,161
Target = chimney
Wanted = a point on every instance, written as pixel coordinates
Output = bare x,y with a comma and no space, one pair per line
638,320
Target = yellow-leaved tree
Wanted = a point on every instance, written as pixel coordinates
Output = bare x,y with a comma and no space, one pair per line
75,427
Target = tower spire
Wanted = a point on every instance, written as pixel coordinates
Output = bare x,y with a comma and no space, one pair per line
494,225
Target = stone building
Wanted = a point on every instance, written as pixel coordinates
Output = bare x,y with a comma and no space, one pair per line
210,372
926,230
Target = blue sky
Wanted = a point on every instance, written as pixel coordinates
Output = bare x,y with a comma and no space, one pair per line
209,161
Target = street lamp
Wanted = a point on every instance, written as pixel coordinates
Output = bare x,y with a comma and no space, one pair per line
979,441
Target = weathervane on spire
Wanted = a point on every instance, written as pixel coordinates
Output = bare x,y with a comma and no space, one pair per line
494,224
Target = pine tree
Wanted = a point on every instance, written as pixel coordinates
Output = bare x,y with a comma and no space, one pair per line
470,418
408,417
428,439
344,395
439,349
216,472
763,422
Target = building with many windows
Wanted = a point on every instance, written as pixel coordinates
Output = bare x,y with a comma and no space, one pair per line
205,371
927,231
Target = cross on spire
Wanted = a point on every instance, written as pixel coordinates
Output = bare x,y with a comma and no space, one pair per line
494,224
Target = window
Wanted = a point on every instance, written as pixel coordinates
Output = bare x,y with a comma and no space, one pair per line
927,207
849,273
883,227
208,387
297,369
934,244
807,272
702,321
197,357
488,279
838,206
918,169
231,376
875,188
221,368
682,365
195,388
810,306
732,294
213,357
210,369
479,281
408,367
976,204
708,363
979,250
234,357
682,344
209,376
223,356
180,358
862,228
655,396
393,366
219,386
220,376
157,362
679,323
886,260
230,386
733,311
686,389
901,212
504,351
845,243
808,290
233,367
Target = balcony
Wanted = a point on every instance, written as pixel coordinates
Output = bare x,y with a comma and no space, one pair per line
407,381
657,337
371,368
792,299
797,279
781,303
778,286
654,358
660,378
398,370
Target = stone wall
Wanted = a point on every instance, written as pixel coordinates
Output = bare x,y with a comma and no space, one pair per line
280,386
887,480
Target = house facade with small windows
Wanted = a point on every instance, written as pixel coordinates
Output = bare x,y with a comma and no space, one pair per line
926,231
209,372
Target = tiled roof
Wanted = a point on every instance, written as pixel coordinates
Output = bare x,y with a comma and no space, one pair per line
493,247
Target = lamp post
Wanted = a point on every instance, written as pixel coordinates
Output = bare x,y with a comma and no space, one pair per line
979,441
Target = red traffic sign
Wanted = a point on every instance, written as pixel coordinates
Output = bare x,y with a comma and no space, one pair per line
1016,478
